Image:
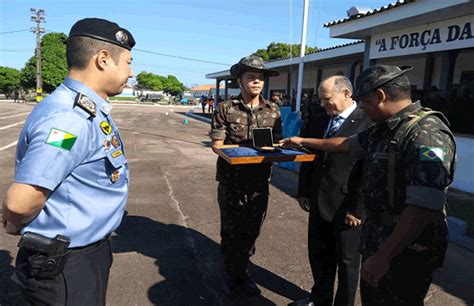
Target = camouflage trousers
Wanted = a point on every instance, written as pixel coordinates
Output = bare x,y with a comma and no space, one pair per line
242,215
406,282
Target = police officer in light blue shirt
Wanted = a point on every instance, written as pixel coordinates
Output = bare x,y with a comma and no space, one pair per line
71,178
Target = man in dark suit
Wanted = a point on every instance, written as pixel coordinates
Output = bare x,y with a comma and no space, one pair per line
328,189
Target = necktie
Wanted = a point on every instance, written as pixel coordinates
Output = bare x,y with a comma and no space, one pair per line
336,123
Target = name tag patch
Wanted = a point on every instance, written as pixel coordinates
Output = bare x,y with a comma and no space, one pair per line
116,153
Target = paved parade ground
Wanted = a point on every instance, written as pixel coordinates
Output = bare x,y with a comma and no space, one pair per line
166,252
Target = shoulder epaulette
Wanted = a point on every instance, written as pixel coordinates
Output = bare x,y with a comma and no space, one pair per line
86,104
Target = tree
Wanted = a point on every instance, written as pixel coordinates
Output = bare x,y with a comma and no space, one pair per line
9,80
53,63
281,50
149,81
173,86
169,84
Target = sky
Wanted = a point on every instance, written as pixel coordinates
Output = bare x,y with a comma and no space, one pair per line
217,31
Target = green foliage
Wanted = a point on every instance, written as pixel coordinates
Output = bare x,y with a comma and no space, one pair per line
151,81
263,54
9,80
281,50
53,63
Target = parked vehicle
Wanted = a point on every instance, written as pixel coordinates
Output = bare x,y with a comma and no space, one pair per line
151,97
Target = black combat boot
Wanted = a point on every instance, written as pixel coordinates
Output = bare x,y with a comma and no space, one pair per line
232,284
249,286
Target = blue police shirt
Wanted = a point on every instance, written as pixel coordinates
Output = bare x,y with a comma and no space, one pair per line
80,158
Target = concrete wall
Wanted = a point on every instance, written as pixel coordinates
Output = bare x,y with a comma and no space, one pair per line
464,62
328,71
437,67
279,82
416,76
464,176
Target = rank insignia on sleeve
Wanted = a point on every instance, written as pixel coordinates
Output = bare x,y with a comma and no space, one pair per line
86,104
433,154
105,127
61,139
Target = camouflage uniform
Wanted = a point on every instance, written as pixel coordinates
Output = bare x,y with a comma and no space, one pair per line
243,189
419,181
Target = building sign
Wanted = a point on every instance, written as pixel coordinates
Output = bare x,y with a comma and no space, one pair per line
438,36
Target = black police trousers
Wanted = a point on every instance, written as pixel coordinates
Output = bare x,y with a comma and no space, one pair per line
83,280
242,215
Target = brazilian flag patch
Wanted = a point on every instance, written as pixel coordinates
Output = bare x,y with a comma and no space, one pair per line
433,154
61,139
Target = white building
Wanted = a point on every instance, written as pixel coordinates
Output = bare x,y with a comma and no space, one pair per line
435,37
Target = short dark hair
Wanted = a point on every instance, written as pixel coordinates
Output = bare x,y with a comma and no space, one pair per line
80,49
398,88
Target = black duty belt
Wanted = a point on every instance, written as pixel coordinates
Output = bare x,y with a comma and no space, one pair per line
89,246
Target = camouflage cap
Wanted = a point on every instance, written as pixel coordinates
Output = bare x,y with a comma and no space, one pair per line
251,63
377,76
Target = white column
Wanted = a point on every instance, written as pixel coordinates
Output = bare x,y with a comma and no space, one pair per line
302,51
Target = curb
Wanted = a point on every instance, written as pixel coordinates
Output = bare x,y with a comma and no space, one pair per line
457,233
197,117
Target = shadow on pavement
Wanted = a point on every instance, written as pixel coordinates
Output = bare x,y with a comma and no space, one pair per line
457,275
191,264
285,180
207,143
9,290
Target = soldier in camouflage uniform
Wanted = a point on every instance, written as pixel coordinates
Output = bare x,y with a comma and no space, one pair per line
243,189
410,155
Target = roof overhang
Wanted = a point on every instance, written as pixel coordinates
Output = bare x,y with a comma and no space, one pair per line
322,55
220,75
336,52
409,15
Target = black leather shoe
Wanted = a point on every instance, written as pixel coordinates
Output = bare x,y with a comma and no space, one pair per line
303,302
250,287
232,287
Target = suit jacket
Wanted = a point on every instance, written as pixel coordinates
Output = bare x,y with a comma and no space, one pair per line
332,181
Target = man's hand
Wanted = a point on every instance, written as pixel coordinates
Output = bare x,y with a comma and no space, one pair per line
304,203
352,220
216,143
373,269
291,142
9,227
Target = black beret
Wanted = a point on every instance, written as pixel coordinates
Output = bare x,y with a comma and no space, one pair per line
377,76
103,30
